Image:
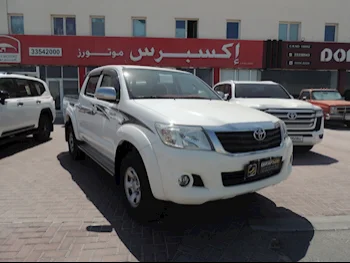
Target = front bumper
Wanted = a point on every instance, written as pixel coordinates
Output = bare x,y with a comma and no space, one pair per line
209,167
337,117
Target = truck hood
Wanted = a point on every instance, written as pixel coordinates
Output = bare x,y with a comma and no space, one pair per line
205,112
333,103
274,103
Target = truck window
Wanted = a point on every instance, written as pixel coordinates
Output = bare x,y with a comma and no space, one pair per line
7,84
326,95
91,86
305,94
109,81
260,90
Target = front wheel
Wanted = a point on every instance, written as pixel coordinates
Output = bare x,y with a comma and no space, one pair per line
74,150
44,130
138,196
303,149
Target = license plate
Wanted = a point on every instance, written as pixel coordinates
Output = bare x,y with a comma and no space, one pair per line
263,167
297,138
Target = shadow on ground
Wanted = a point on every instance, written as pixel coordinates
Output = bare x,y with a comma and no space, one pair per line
18,146
312,158
337,127
219,231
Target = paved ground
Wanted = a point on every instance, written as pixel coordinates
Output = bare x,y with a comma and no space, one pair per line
54,209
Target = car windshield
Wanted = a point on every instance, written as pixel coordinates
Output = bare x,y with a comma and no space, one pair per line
260,90
163,84
326,95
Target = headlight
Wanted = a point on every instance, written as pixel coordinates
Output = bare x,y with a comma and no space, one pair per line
284,130
333,110
319,113
183,137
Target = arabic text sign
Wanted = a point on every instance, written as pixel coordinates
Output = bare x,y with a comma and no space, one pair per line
164,52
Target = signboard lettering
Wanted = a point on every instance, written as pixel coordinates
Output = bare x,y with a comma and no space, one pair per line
339,55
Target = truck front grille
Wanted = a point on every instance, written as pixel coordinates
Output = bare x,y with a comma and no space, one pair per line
343,110
244,141
296,120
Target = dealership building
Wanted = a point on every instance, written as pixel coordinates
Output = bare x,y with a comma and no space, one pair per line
285,41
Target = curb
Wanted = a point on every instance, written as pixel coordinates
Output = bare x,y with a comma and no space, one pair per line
325,223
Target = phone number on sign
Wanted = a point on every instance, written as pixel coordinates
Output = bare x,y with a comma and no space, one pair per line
45,52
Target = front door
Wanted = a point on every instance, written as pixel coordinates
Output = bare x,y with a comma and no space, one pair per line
55,87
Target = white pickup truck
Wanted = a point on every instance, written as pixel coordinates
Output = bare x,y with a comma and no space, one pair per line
305,122
167,136
26,108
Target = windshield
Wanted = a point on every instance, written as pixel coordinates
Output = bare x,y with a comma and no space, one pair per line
260,90
326,95
162,84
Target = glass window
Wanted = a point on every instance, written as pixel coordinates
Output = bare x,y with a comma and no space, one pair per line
305,94
232,30
17,25
150,84
23,89
70,26
326,95
294,32
58,26
330,33
91,86
139,27
53,72
205,74
70,87
283,32
180,29
37,87
190,70
8,85
109,81
260,91
70,72
98,26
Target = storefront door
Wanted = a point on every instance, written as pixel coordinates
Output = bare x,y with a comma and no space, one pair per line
56,89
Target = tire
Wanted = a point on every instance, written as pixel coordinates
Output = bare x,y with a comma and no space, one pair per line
44,130
143,206
74,150
302,149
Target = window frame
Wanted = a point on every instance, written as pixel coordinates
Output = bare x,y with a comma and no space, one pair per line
288,30
10,24
64,24
239,28
335,31
104,24
132,25
186,26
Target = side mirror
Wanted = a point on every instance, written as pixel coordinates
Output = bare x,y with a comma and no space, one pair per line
106,93
221,94
4,95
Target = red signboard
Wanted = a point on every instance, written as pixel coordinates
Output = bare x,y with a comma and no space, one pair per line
164,52
315,55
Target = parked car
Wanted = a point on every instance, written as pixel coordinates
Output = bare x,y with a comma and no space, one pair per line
304,121
167,136
26,108
334,107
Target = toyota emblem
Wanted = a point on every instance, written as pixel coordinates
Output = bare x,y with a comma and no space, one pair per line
259,134
292,115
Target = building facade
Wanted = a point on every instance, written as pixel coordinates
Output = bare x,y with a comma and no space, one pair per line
60,41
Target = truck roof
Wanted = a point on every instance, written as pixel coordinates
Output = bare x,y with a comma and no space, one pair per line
137,67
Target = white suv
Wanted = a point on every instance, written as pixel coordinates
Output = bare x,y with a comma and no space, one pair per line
26,107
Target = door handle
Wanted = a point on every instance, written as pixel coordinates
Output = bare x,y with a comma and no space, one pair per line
20,104
38,102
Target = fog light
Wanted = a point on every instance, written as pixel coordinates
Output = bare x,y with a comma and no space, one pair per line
184,180
321,136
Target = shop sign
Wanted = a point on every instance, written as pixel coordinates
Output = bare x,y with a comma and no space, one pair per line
10,50
316,55
163,52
